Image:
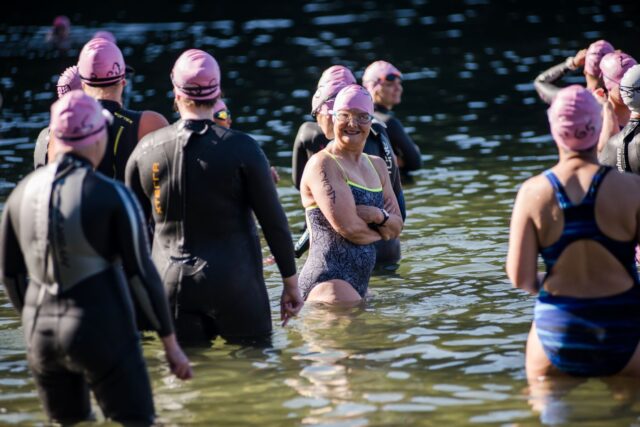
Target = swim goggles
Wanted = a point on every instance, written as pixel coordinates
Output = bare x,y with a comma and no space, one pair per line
222,115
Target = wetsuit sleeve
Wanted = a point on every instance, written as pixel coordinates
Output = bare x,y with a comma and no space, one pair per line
132,180
263,199
404,145
544,83
13,270
144,280
40,152
299,157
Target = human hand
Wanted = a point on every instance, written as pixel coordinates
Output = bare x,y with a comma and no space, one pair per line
370,214
274,175
177,360
579,58
600,95
291,301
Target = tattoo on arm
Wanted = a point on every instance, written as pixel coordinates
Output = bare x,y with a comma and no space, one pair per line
327,185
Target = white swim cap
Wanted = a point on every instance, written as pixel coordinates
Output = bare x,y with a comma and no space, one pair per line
630,88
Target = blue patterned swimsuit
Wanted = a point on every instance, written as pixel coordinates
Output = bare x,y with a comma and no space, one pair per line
331,256
588,336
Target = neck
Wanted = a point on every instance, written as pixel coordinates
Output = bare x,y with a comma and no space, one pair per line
578,158
345,152
194,113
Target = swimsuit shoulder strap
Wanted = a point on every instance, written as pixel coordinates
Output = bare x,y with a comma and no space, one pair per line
374,168
595,183
558,189
344,173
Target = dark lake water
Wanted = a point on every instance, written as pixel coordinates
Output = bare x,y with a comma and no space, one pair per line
442,341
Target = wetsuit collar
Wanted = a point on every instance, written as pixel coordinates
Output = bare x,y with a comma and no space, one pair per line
197,126
109,105
71,157
381,108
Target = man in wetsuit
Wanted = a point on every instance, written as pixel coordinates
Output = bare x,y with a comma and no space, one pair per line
622,150
314,136
202,183
101,69
71,240
384,83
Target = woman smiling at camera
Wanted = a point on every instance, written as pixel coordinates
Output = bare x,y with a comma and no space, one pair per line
349,205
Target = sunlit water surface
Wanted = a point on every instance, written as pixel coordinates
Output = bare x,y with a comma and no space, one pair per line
441,342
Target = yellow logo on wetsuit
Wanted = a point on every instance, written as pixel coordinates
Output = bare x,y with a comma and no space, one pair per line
155,170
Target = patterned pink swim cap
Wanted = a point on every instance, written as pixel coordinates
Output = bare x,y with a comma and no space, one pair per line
575,118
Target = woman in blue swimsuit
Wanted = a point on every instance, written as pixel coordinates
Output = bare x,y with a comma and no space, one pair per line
583,219
350,204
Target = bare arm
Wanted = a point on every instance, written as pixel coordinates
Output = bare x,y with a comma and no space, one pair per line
610,125
332,195
149,122
523,246
392,228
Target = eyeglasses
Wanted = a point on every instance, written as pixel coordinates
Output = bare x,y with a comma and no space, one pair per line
361,119
629,90
222,115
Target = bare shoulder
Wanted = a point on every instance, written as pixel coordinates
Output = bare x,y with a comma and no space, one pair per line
151,121
629,183
378,163
535,191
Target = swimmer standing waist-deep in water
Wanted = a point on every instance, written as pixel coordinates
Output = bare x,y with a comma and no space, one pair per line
583,219
201,184
349,204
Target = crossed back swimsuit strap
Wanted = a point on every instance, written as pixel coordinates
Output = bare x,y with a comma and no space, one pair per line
355,184
588,336
580,223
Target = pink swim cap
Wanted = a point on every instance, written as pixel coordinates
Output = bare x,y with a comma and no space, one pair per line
62,21
595,52
219,106
101,63
354,97
575,118
69,80
77,120
196,75
378,72
107,35
613,67
332,80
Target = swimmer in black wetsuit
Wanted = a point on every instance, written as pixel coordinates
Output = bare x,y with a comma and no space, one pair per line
70,242
201,182
615,113
313,137
623,149
588,58
384,83
102,72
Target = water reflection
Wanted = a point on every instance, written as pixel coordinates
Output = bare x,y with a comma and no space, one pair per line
440,343
568,400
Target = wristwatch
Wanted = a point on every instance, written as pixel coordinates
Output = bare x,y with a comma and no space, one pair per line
385,214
